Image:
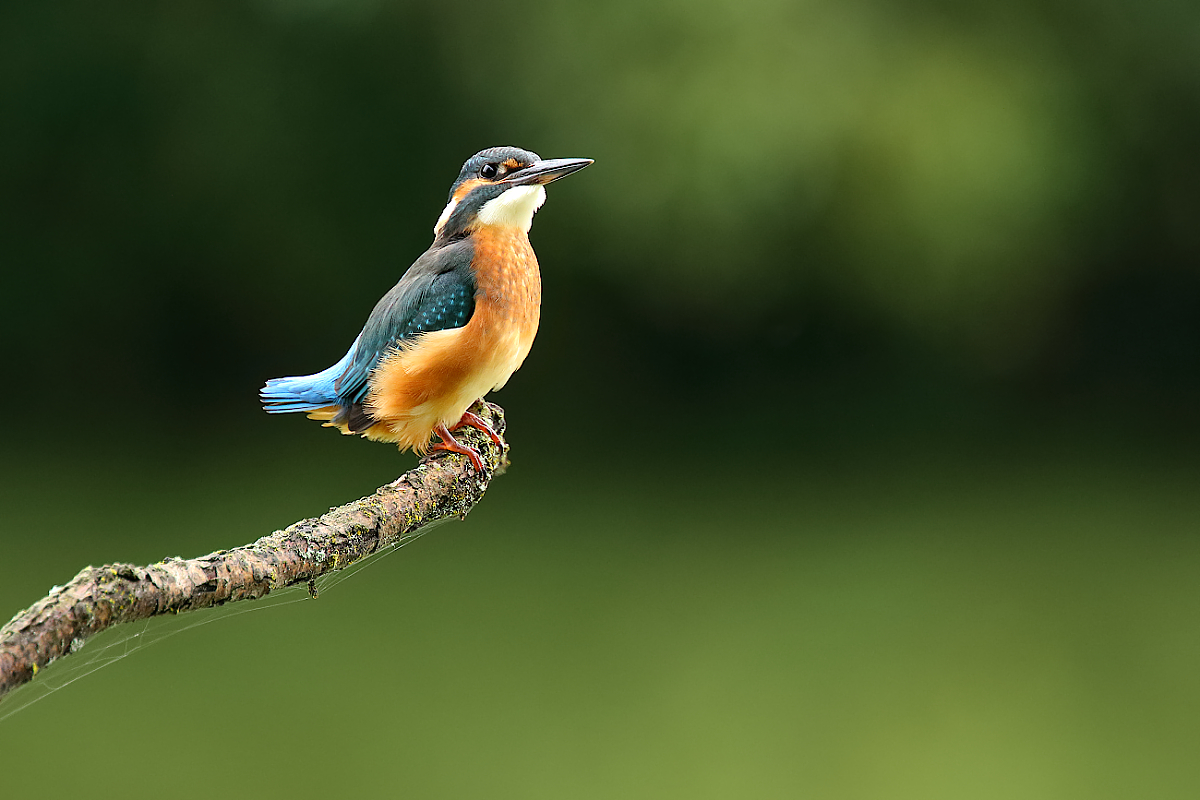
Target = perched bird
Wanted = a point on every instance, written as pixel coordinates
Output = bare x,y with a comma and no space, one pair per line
457,325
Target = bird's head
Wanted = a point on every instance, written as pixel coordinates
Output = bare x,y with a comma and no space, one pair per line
501,186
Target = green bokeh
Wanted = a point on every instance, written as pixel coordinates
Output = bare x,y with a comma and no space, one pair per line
885,319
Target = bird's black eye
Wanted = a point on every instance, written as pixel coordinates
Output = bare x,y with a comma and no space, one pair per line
487,171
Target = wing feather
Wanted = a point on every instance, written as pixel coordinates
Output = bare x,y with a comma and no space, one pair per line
437,292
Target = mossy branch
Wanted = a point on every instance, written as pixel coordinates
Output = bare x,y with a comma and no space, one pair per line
443,485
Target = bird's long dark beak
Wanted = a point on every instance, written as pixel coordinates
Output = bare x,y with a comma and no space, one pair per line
551,169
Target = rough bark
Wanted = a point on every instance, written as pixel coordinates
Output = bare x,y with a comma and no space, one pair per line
443,485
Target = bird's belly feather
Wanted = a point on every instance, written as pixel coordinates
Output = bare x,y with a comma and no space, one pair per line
437,376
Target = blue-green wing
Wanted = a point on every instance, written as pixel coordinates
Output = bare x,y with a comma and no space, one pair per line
437,292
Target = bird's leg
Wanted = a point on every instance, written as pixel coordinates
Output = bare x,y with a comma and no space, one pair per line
448,442
474,421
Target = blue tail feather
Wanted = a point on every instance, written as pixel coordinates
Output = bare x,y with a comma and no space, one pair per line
306,392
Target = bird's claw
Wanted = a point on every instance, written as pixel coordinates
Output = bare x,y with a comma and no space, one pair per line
477,422
452,445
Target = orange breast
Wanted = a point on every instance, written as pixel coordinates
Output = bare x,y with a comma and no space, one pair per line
437,376
509,297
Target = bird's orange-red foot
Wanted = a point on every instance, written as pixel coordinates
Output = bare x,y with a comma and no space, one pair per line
450,444
474,421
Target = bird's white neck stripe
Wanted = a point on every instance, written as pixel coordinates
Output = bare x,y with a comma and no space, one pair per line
444,218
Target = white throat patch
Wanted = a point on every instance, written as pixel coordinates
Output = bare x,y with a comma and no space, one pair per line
514,208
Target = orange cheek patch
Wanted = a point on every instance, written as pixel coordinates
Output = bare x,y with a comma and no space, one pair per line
467,187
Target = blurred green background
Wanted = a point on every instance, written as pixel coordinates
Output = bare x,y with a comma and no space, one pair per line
884,319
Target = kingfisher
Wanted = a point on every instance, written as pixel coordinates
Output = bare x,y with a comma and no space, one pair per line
458,324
